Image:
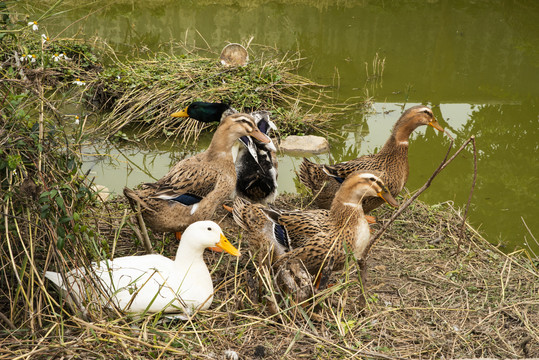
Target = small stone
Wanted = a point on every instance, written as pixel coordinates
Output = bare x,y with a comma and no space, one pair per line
260,351
309,143
231,355
102,192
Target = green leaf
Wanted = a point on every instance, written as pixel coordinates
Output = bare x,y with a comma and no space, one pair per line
60,243
60,202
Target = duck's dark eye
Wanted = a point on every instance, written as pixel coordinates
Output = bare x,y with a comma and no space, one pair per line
209,228
427,112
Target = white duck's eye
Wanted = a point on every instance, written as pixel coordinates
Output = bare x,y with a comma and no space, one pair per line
209,228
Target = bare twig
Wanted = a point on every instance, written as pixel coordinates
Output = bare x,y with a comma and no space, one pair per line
5,319
463,226
403,207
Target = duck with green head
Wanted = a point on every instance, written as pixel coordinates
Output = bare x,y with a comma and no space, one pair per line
256,162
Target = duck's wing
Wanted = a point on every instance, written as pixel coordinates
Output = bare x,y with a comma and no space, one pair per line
139,283
256,164
300,226
265,125
286,229
249,144
343,169
315,176
190,182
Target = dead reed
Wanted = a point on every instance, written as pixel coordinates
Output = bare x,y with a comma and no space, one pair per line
424,300
141,94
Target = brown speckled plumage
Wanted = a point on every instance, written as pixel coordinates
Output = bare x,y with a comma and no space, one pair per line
210,175
391,161
316,236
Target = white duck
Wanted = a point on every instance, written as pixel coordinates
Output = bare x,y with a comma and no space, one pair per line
154,283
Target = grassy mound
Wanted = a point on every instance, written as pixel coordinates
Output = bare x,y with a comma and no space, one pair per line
141,94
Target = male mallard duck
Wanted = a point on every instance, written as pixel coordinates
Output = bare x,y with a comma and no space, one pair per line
153,283
315,236
256,161
194,187
391,161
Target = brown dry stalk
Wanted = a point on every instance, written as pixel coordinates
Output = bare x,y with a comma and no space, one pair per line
408,202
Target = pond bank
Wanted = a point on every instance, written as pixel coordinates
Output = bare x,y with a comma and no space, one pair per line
425,299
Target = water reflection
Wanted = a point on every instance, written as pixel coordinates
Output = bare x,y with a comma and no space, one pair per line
475,62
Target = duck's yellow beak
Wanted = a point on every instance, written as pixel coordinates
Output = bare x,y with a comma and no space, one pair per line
388,198
225,245
182,113
434,123
260,136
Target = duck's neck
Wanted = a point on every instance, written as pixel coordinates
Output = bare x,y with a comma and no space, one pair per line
349,220
401,132
221,145
188,254
397,144
344,213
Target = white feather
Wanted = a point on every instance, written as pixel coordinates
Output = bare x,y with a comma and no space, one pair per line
153,282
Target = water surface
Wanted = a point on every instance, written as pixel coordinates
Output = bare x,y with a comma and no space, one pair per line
475,62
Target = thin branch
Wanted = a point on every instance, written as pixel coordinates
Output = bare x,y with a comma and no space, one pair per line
442,166
463,226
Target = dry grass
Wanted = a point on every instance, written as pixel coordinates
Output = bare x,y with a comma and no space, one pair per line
424,301
141,94
136,97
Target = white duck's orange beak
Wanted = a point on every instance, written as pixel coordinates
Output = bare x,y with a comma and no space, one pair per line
225,245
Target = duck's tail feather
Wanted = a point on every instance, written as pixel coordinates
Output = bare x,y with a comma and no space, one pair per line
238,212
312,175
134,199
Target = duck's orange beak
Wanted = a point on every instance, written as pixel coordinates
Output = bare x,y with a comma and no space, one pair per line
182,113
434,123
225,245
260,136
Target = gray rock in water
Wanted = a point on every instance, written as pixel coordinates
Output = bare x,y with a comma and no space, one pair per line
309,143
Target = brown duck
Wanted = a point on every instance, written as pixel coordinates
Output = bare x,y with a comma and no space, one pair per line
391,161
316,236
194,187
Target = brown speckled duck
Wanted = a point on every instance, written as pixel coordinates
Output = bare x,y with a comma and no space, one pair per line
194,187
314,236
256,162
391,161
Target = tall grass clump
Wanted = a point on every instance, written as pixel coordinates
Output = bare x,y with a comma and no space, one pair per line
45,200
141,94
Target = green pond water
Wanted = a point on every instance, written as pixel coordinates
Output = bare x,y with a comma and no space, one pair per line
475,62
